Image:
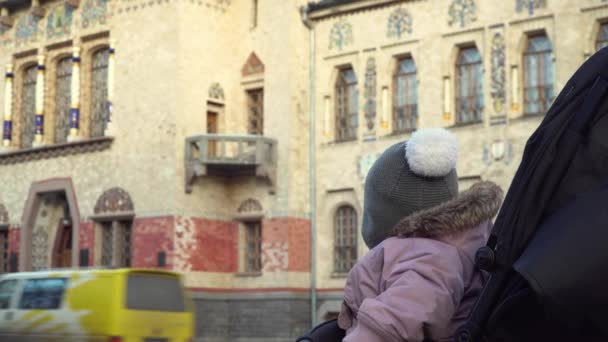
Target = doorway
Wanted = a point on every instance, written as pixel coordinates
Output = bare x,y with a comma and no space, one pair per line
212,128
62,256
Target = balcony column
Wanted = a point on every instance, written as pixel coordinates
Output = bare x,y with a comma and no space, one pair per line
75,96
7,132
109,131
39,121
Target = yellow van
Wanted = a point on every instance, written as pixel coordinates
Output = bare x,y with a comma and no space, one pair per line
109,305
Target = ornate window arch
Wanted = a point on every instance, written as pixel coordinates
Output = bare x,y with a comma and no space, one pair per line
345,238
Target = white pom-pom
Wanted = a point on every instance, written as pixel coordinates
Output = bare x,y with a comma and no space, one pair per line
432,152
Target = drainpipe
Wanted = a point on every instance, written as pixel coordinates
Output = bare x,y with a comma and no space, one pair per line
312,172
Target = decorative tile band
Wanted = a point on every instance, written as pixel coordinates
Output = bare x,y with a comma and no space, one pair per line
39,124
8,129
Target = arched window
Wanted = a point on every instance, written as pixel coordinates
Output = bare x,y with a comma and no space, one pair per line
345,243
63,83
538,75
99,92
28,106
405,109
602,37
469,86
347,113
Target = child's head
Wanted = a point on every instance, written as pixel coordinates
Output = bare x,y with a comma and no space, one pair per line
409,176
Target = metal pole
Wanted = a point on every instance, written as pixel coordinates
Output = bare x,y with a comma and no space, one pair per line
312,171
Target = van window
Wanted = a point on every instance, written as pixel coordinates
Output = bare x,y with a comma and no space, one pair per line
154,292
42,293
7,288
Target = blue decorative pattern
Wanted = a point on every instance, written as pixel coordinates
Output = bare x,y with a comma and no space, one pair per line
462,12
530,5
399,22
27,28
341,35
59,21
94,12
39,122
498,72
74,118
8,129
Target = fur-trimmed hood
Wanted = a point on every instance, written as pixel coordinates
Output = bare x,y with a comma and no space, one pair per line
471,208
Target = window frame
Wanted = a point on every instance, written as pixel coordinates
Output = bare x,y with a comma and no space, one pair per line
475,101
345,242
410,109
61,297
255,111
600,38
345,116
252,261
13,296
543,103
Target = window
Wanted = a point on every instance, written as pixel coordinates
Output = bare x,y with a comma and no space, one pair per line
255,99
99,92
28,106
253,246
154,292
538,75
42,293
405,109
116,243
4,250
7,289
347,113
469,86
602,37
345,243
63,83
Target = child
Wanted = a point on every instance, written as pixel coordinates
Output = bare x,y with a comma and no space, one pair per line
418,282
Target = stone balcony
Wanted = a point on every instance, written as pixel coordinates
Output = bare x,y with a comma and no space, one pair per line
230,156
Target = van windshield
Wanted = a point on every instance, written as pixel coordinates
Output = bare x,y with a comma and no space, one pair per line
154,292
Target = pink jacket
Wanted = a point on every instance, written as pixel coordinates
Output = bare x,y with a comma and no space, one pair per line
422,284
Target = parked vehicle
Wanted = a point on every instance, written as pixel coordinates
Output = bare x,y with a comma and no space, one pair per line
110,305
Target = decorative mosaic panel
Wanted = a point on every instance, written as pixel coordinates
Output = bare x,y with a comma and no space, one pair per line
28,107
498,72
27,28
216,91
370,93
341,35
399,22
114,200
40,240
530,5
59,21
462,12
253,66
3,214
99,93
94,12
63,83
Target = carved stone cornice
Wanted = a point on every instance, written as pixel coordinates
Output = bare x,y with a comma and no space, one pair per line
55,150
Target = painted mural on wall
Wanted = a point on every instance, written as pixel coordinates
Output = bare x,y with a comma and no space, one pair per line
94,12
529,5
370,95
399,23
498,92
59,21
341,35
27,28
462,12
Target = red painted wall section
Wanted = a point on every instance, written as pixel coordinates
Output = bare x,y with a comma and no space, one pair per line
286,244
13,239
206,245
87,239
299,245
149,237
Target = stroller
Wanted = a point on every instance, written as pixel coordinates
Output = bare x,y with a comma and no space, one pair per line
547,257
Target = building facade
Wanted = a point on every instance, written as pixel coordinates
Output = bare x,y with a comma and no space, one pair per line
176,134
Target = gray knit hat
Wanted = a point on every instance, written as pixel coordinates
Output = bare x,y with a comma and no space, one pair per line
409,176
